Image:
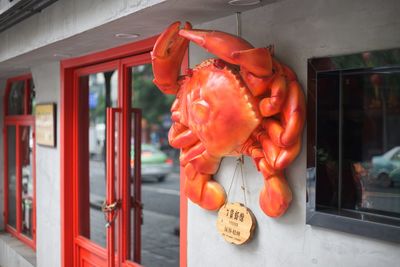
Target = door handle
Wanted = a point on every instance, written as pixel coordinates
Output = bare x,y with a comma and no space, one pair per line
110,208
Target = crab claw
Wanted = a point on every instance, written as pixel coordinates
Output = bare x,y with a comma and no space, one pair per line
276,196
167,56
233,49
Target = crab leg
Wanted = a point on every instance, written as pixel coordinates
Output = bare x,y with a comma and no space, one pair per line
167,56
180,136
199,185
287,132
276,195
278,157
272,105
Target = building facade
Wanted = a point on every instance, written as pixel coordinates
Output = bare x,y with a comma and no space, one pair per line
70,37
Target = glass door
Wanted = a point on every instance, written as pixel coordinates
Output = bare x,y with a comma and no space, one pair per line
121,120
98,127
152,233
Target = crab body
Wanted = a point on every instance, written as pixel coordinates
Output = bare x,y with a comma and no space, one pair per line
213,103
243,102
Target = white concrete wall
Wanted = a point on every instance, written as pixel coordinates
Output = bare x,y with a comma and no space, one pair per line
299,30
2,92
64,19
48,215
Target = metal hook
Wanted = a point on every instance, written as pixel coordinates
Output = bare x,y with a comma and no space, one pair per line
238,24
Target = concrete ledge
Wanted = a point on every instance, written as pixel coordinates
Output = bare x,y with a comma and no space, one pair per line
14,253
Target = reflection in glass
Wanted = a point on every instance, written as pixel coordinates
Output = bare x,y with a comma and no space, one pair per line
327,140
26,150
16,98
358,130
161,211
12,175
96,92
32,98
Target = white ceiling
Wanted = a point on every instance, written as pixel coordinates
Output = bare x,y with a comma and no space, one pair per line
147,22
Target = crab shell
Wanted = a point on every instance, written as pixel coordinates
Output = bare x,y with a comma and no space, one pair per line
214,105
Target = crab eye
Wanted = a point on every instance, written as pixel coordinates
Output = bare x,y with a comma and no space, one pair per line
200,111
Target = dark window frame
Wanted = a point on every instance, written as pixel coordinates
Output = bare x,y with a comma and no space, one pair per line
350,221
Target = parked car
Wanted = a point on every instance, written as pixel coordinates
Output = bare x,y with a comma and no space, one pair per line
156,165
386,167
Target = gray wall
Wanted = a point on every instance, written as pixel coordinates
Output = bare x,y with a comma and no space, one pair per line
48,233
64,19
2,92
299,30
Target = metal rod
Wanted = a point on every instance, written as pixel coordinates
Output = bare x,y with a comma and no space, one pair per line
340,163
238,24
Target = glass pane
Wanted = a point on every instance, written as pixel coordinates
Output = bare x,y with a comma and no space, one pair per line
16,98
27,143
327,140
32,98
358,141
371,142
96,92
160,174
12,176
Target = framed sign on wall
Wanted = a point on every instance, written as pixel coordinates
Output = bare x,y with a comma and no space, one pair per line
45,120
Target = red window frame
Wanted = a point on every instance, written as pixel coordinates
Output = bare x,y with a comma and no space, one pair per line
25,119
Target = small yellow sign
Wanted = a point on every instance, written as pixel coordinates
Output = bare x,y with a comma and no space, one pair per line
236,223
45,124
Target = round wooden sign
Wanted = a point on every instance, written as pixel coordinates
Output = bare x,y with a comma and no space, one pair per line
236,223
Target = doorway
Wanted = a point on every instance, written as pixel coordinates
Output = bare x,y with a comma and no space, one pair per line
121,215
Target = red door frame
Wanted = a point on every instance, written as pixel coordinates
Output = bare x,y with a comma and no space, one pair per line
68,68
83,246
19,120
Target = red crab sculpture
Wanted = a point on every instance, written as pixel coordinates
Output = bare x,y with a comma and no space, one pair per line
244,102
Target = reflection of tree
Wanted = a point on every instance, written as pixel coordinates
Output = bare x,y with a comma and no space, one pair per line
381,78
147,96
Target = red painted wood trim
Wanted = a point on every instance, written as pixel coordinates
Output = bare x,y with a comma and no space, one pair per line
66,151
24,119
111,54
136,114
83,181
183,202
110,158
18,178
67,143
5,142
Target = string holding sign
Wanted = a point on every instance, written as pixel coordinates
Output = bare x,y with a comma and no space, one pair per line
236,223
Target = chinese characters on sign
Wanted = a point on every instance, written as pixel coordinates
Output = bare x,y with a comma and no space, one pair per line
45,124
236,223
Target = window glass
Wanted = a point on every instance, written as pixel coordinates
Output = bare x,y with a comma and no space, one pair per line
358,141
328,140
32,95
16,98
97,92
11,175
161,210
27,180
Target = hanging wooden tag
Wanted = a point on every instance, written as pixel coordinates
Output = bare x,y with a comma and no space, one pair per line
236,223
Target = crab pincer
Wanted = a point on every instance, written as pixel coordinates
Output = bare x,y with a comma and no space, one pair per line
167,56
232,49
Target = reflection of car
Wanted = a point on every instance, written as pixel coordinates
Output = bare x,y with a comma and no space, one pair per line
155,163
386,168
